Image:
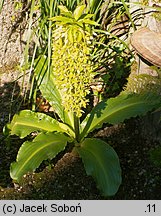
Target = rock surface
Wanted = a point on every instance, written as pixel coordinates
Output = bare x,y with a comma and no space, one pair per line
12,28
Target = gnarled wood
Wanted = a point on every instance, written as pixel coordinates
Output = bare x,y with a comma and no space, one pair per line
147,44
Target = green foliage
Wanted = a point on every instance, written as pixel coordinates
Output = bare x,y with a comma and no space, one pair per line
116,110
94,5
101,162
71,4
38,36
111,49
115,59
155,156
50,92
143,82
31,154
107,53
1,5
27,121
53,134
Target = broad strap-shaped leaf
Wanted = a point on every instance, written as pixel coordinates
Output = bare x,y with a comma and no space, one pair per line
49,90
102,163
31,154
28,121
116,110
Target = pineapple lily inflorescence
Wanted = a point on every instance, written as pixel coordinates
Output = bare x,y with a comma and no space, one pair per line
72,66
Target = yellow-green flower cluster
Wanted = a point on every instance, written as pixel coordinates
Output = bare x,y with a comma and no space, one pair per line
72,69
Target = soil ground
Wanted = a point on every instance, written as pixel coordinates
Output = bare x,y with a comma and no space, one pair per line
65,177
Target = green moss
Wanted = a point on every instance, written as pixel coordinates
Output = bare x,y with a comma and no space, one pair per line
155,156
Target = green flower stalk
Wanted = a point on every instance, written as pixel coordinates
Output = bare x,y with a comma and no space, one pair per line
72,66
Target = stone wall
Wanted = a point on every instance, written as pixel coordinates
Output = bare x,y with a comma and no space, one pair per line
12,28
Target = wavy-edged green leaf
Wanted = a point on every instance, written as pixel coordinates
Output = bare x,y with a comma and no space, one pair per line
27,121
31,154
116,110
102,163
49,90
79,11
